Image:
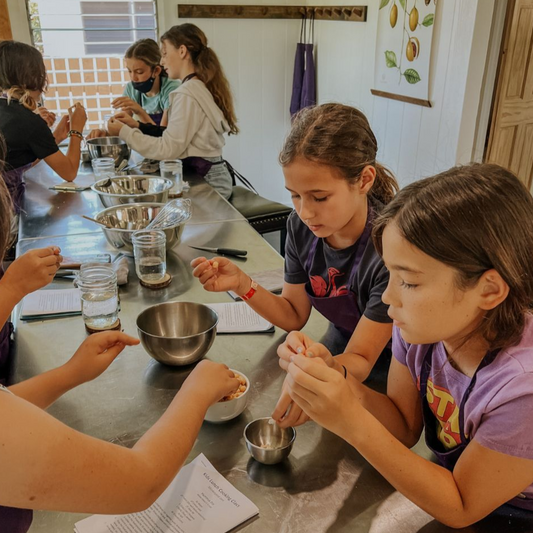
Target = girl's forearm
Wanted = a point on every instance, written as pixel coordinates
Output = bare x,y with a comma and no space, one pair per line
385,411
43,390
277,309
355,364
428,485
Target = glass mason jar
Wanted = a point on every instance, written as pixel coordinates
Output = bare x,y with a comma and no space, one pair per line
172,169
149,250
99,295
103,166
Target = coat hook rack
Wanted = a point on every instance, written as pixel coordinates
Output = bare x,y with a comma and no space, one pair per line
347,13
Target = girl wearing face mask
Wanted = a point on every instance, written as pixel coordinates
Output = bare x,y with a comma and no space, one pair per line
146,96
201,111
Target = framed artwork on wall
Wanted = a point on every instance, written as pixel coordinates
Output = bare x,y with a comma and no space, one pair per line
403,50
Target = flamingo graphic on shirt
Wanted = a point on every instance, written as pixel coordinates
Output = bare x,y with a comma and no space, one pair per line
329,290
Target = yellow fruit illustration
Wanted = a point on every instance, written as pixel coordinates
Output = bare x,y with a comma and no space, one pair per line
413,19
393,15
413,49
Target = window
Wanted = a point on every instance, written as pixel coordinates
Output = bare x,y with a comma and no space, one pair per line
83,43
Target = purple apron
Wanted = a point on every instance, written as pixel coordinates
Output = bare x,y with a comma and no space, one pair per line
5,347
15,185
156,117
448,458
341,310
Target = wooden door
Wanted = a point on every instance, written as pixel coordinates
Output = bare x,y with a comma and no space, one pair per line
5,24
511,138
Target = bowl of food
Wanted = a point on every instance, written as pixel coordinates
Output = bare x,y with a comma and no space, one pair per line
177,333
230,406
113,147
267,442
120,190
121,221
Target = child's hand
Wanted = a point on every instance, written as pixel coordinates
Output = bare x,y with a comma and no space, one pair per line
295,416
62,129
127,104
32,271
114,126
127,119
48,116
98,132
298,342
212,380
96,353
78,117
322,393
220,274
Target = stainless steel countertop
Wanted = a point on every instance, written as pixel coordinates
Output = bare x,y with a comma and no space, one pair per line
324,486
47,212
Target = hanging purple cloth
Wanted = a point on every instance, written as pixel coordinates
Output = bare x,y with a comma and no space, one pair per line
304,78
308,97
299,70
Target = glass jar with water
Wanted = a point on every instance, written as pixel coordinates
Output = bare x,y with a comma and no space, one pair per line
172,169
149,249
99,296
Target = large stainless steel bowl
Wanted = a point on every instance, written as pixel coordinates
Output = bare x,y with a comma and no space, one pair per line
113,147
120,190
267,442
177,333
126,219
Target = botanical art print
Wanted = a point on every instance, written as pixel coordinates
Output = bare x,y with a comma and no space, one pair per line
403,48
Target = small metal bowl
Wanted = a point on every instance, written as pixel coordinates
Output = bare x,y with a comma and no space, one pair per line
177,333
230,409
113,147
120,190
268,443
126,219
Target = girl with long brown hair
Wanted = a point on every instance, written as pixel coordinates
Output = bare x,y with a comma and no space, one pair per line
337,187
201,110
458,249
23,80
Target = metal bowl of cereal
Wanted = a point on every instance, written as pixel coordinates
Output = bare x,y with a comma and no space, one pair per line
230,406
267,442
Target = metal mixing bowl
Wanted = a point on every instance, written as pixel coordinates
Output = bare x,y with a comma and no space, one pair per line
120,190
177,333
267,442
126,219
113,147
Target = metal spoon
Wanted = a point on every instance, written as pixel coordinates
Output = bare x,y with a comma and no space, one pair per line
97,221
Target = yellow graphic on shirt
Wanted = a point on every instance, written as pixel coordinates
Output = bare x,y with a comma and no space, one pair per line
446,411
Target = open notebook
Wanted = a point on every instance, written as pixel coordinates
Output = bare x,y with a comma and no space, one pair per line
52,303
199,500
239,317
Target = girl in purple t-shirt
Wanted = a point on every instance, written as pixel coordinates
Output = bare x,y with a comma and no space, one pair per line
458,249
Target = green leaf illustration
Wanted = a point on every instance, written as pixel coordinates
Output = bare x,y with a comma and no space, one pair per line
428,20
402,3
411,76
390,59
383,3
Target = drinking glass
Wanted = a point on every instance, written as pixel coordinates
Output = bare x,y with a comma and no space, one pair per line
149,250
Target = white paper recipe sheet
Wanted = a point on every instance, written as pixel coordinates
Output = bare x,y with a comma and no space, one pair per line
199,500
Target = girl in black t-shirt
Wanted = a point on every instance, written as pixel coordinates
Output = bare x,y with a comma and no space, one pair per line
23,80
337,188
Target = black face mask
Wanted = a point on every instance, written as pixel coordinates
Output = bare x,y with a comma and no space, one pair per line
144,86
